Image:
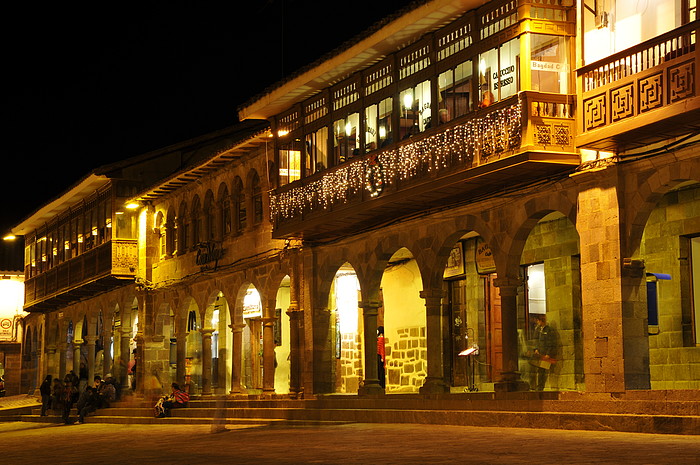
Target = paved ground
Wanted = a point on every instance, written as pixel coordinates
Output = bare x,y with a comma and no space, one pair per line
18,401
381,444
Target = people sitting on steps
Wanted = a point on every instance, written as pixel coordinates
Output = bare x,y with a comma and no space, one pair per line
176,399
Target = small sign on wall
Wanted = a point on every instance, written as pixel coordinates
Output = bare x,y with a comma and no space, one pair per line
6,327
483,257
455,262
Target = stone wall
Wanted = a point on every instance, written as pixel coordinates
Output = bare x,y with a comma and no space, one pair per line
351,370
406,360
674,362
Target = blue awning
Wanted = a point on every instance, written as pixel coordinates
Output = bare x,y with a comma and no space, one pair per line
660,275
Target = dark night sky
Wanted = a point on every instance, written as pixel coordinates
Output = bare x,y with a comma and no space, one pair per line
91,86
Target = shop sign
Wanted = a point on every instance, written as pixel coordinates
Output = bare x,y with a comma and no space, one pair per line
6,325
549,66
484,257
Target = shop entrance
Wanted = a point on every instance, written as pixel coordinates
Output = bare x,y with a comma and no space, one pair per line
494,328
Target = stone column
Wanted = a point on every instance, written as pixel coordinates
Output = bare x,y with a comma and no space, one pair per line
236,351
76,357
509,378
107,353
268,323
51,359
124,357
180,355
369,321
62,350
435,380
295,318
90,341
206,360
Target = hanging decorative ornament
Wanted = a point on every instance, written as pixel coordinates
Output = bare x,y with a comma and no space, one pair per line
374,176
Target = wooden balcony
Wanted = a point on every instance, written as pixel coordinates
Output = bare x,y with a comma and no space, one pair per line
105,267
641,95
519,140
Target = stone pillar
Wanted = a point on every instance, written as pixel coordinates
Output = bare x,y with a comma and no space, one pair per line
236,363
509,378
206,360
140,368
90,341
107,353
62,350
51,359
435,380
268,323
295,318
369,321
76,357
616,346
124,357
180,355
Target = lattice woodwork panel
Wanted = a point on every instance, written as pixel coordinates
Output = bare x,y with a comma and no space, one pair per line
543,134
681,82
594,111
562,134
622,103
651,92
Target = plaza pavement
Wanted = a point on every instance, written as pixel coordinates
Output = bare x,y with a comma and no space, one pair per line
358,443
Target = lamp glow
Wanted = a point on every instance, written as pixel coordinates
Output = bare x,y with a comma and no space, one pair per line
408,100
132,206
9,237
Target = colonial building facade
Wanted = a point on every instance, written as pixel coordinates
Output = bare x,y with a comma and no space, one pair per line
448,179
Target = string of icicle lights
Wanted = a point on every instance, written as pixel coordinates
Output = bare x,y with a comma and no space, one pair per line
498,131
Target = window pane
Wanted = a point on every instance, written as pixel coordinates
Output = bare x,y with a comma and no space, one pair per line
488,67
290,163
316,146
371,132
385,129
549,64
510,63
415,109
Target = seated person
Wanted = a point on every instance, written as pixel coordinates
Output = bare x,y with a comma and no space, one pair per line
177,399
87,403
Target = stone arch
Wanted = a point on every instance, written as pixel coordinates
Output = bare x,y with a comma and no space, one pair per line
183,224
524,216
196,222
643,198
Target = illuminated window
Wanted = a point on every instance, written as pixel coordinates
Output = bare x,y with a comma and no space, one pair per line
549,62
416,108
316,146
454,92
378,125
346,142
289,162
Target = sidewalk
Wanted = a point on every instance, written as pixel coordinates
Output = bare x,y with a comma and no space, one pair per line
22,400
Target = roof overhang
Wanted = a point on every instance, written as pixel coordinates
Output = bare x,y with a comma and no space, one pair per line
83,189
365,52
195,172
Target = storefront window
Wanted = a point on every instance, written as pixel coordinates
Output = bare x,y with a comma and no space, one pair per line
415,109
316,146
549,62
378,125
346,142
454,87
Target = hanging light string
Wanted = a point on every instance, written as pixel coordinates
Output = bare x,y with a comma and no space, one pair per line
477,139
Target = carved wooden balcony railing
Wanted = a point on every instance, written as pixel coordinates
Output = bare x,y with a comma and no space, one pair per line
94,271
525,137
642,94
